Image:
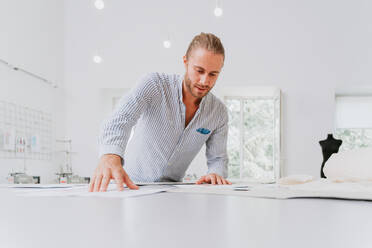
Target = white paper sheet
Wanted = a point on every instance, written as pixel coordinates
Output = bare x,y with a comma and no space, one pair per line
315,189
111,192
43,186
211,189
165,183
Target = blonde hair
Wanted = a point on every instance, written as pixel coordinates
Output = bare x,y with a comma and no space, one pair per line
207,41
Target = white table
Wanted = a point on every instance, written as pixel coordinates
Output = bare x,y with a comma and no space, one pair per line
183,220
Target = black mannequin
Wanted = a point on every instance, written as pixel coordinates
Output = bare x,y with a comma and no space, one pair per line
329,146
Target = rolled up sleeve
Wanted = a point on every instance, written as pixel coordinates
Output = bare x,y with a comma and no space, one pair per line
116,129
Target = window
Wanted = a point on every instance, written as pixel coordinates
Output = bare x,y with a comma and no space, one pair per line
254,134
354,121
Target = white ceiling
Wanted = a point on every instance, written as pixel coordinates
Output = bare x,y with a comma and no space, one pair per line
267,41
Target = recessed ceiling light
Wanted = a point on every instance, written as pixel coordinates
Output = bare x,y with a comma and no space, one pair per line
167,43
100,4
218,11
97,59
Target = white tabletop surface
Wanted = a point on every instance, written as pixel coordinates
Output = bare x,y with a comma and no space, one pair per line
183,220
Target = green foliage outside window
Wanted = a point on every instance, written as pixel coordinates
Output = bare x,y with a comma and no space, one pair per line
354,138
253,142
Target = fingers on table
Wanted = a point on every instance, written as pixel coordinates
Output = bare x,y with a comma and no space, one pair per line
224,181
91,184
101,182
119,181
129,182
97,183
219,180
213,178
201,180
105,182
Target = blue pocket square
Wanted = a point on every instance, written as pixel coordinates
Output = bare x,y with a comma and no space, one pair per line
203,130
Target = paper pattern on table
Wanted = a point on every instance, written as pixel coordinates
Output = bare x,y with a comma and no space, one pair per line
111,192
315,189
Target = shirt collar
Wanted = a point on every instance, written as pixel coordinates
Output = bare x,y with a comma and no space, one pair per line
180,88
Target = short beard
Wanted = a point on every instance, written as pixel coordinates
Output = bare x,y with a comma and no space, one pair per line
188,86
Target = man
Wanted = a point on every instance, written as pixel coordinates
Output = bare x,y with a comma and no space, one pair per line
175,116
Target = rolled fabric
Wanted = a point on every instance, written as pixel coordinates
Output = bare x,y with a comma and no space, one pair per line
350,166
295,179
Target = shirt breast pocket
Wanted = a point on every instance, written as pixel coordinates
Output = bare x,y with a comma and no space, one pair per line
201,135
195,140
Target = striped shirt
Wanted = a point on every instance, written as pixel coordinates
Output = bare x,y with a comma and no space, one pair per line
162,148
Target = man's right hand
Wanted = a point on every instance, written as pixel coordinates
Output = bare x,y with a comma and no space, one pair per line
110,167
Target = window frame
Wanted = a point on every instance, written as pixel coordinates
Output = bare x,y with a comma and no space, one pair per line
340,125
253,93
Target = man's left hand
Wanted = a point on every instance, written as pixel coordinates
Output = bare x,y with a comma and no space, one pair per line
212,178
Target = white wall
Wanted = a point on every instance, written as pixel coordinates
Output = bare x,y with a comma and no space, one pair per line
308,49
31,37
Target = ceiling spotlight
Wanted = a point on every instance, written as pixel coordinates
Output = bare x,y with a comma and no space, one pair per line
100,4
218,11
167,43
97,59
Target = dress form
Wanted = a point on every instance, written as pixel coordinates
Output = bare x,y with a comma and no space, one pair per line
329,146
